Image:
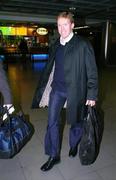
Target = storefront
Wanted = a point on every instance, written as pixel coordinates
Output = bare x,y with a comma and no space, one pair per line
36,39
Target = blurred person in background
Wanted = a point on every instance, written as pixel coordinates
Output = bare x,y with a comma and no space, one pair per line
5,92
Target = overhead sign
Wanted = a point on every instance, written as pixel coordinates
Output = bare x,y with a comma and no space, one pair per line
42,31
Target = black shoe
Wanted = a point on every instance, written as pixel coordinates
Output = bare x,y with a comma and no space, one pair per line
50,163
73,151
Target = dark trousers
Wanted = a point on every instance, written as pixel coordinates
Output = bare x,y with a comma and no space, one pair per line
52,137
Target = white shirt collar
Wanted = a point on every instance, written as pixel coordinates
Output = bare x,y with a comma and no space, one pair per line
64,41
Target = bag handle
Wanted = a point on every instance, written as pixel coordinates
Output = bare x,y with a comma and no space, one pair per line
91,108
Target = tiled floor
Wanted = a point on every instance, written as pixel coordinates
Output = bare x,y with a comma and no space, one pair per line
26,164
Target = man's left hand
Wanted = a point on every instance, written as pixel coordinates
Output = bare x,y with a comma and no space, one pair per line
90,103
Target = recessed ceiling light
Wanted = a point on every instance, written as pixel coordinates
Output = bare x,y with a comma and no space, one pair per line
72,8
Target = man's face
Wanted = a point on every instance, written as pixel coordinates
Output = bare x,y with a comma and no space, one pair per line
64,27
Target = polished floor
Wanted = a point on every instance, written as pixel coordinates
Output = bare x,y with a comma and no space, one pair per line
26,165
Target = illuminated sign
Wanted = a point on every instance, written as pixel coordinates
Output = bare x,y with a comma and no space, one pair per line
13,31
42,31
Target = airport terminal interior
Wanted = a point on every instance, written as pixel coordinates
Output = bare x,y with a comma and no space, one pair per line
26,164
23,70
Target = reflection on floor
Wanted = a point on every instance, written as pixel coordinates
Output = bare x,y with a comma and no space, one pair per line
26,164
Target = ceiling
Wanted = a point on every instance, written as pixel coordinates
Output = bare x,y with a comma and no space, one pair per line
45,11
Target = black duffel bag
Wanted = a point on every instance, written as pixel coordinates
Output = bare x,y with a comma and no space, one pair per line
15,132
92,135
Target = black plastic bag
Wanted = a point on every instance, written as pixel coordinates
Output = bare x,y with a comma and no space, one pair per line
92,135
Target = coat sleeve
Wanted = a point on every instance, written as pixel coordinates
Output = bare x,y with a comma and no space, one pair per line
44,78
92,74
4,86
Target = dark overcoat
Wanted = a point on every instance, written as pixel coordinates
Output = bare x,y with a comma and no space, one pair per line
80,75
